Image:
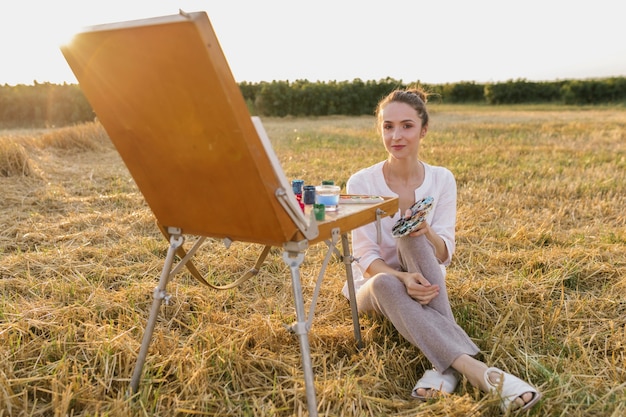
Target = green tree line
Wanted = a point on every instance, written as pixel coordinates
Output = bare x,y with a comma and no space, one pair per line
47,105
43,105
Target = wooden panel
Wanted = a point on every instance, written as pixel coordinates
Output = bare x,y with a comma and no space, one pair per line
163,91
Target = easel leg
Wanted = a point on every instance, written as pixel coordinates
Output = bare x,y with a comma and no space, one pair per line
293,256
347,261
176,240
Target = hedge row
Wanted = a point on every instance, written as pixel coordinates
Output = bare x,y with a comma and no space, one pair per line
43,105
46,104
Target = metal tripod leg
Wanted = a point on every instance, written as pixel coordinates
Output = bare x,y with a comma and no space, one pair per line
293,255
176,240
347,260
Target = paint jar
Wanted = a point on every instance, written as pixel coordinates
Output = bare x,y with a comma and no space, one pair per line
308,194
320,211
296,185
328,195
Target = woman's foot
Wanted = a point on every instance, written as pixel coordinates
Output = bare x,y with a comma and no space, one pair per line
515,394
434,384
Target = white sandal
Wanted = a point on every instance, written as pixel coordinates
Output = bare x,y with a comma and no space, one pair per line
509,388
433,380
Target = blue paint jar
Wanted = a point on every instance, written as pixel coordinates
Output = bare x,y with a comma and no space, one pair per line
296,185
308,195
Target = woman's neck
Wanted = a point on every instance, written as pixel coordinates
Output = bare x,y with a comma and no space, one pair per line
404,172
403,179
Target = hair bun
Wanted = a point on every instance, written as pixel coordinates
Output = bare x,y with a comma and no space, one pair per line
420,93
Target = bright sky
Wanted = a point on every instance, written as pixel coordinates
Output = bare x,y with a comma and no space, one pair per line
434,41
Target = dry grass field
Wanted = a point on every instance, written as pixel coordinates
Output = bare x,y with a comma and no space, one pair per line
538,280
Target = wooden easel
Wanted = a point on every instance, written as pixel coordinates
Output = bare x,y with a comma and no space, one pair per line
162,89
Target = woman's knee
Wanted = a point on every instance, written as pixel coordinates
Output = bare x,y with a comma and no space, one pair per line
386,284
380,293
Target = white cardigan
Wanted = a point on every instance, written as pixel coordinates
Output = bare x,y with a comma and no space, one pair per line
439,183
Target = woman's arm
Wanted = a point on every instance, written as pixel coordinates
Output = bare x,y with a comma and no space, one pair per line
440,226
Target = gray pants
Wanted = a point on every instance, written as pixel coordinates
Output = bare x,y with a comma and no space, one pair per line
432,327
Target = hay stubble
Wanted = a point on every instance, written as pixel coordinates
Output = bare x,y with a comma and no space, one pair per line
538,278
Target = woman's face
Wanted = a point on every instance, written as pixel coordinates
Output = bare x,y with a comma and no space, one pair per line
402,130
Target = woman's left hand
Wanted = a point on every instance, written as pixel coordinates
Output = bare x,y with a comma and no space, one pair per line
422,229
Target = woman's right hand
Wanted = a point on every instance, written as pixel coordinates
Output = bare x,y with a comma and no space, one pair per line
419,288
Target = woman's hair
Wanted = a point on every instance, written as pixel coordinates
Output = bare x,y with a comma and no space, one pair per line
414,97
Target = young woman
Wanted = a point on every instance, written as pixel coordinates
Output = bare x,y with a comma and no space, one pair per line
402,278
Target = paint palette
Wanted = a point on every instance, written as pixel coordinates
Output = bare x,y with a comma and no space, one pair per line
407,225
